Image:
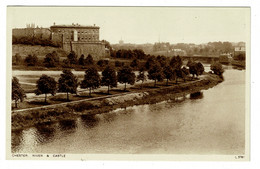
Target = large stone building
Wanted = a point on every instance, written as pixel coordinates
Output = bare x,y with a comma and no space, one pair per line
75,37
80,39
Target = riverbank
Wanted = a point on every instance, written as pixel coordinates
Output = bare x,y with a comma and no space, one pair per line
28,118
241,64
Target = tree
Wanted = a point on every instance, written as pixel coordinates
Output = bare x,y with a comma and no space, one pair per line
72,58
107,45
51,60
17,91
139,53
135,63
66,63
126,75
181,73
68,83
31,60
155,73
141,76
109,77
189,63
89,60
173,62
193,69
162,60
150,61
81,60
200,68
216,67
169,73
185,73
55,57
176,64
91,79
102,63
45,85
17,59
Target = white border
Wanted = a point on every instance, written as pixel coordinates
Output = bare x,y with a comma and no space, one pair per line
255,54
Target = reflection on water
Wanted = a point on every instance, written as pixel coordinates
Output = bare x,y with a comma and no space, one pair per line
17,139
89,121
68,126
208,122
45,134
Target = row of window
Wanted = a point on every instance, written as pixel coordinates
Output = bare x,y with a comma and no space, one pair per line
88,31
84,39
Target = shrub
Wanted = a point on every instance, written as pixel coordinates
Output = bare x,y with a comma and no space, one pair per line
82,106
31,60
217,68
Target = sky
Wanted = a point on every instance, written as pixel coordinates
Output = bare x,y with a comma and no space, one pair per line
144,24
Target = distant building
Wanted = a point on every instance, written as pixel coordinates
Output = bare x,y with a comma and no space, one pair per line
179,52
121,42
240,49
240,52
31,31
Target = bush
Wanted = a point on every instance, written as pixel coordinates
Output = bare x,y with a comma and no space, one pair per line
82,106
31,60
34,41
217,68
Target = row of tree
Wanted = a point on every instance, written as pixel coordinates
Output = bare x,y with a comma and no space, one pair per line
53,60
157,70
32,40
128,54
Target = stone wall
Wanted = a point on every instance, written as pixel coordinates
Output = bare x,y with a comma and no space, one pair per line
96,50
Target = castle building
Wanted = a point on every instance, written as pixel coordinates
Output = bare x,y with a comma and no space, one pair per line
80,39
75,37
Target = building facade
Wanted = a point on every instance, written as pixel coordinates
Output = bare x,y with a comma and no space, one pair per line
80,39
77,38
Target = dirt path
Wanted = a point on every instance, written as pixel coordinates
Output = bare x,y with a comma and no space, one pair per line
65,103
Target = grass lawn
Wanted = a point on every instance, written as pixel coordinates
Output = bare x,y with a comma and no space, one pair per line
84,94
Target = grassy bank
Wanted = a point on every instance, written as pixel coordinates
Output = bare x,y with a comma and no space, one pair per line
28,118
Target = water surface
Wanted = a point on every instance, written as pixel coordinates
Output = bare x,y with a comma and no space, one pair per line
212,122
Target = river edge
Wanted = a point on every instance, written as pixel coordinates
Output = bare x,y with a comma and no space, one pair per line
29,118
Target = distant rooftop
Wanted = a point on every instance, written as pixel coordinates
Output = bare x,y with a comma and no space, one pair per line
74,25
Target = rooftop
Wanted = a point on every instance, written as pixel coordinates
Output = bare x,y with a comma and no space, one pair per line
74,26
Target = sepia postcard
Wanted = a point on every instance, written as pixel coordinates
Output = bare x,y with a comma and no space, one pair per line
128,83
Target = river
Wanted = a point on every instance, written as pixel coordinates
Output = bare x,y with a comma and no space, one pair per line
211,123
